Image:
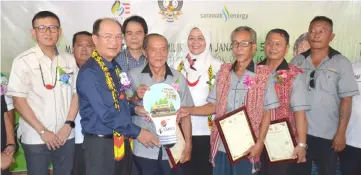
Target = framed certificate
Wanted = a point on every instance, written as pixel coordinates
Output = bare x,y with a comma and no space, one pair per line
175,152
280,142
236,133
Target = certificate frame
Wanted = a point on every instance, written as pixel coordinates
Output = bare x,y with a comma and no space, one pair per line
292,137
223,137
169,151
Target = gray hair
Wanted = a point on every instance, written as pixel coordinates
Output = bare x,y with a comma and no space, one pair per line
246,28
146,39
299,40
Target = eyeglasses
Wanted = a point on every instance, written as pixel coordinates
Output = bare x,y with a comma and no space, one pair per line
312,80
109,37
43,29
236,44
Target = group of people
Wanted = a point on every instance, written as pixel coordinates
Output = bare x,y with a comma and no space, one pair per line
98,92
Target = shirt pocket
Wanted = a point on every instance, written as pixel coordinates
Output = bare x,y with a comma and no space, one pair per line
329,80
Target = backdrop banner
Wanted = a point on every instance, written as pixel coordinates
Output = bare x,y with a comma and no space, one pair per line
172,17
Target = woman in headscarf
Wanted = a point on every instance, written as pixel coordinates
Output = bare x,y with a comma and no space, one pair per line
199,67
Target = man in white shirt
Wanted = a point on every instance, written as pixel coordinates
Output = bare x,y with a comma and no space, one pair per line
42,85
83,47
350,157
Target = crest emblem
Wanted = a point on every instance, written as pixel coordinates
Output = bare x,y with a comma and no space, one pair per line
170,9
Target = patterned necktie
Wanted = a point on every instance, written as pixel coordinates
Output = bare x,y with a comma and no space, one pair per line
191,62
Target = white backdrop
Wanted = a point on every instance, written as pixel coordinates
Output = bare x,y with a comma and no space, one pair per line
221,16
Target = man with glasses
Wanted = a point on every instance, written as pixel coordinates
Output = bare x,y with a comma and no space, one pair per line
42,84
242,83
106,115
331,86
134,30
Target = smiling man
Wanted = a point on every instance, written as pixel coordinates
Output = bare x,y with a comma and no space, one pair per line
42,84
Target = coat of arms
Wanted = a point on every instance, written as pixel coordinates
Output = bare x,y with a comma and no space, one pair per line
170,9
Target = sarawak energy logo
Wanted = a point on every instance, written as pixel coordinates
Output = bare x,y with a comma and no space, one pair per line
170,9
225,14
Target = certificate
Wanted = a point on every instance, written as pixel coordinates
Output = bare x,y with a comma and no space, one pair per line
236,134
280,142
175,152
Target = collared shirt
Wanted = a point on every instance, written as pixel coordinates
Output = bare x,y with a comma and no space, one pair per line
354,125
238,91
298,99
98,115
127,62
200,91
143,75
334,80
51,107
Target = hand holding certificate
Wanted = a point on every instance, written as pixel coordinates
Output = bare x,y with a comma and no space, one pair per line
236,134
279,142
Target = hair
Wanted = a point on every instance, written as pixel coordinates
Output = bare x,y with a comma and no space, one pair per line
323,18
282,32
146,39
299,40
246,28
80,33
96,25
137,19
44,14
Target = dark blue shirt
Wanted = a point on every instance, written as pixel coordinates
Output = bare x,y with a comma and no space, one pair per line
98,115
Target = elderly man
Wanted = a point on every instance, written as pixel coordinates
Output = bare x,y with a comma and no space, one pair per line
106,115
331,86
242,83
154,161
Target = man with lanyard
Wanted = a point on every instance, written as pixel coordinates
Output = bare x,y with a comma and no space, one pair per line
42,84
331,86
106,115
134,30
291,90
83,47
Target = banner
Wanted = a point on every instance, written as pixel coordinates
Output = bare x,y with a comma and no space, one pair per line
172,17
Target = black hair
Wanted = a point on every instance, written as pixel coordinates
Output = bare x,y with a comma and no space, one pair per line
80,33
44,14
323,18
282,32
137,19
96,25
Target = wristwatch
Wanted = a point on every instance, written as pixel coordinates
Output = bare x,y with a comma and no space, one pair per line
70,123
303,145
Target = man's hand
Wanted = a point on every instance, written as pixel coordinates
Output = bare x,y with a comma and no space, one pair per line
9,149
182,112
63,134
300,154
147,138
51,140
255,150
6,160
139,110
141,89
339,142
186,154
